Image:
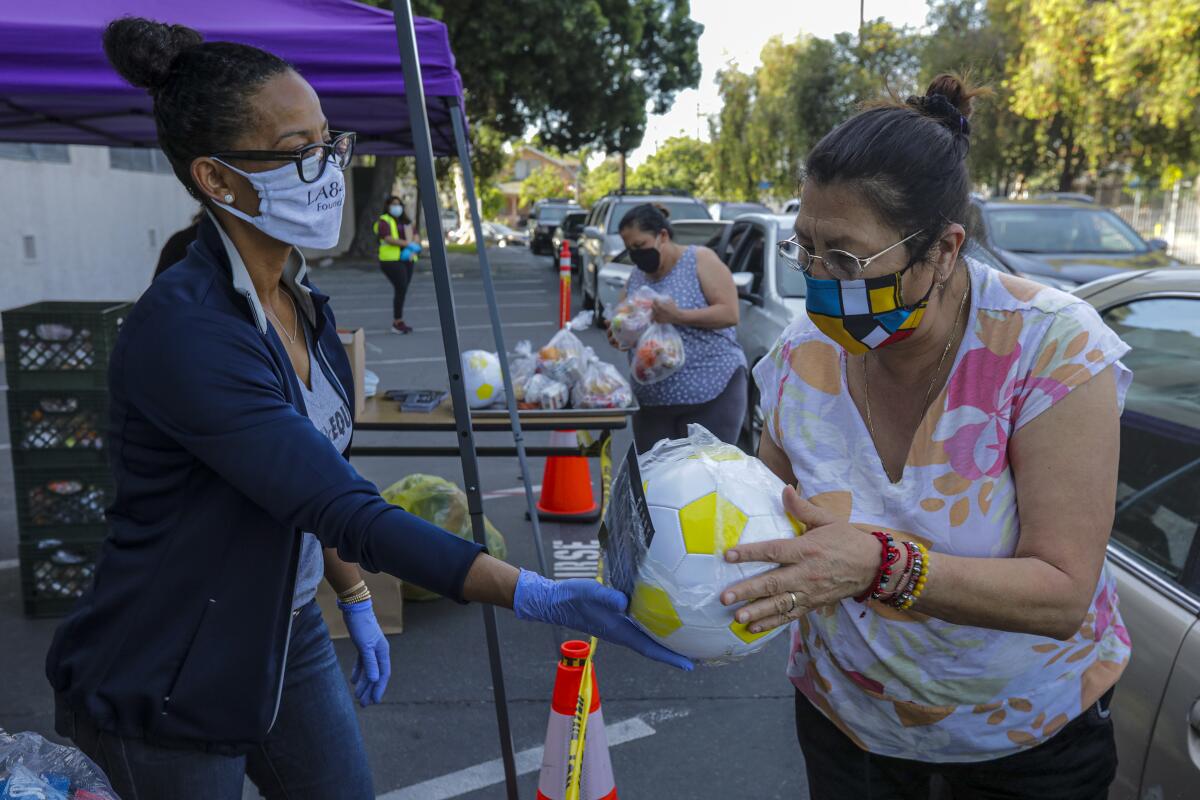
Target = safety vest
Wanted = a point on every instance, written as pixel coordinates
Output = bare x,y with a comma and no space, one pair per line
389,252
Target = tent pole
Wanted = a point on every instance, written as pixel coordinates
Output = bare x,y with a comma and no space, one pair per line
427,181
489,292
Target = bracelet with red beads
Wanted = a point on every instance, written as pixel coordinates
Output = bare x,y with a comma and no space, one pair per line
889,554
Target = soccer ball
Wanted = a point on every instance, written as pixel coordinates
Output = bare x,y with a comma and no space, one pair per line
702,501
481,374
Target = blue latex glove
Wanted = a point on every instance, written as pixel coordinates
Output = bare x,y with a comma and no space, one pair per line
587,606
410,251
373,667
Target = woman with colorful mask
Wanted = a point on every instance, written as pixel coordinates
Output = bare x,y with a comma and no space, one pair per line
952,436
700,300
199,656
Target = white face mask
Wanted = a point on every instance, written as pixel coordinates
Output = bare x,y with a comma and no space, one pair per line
295,212
396,211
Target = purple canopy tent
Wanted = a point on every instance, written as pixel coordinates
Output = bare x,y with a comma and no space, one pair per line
56,86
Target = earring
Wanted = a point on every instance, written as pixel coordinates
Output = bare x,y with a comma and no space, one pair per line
228,198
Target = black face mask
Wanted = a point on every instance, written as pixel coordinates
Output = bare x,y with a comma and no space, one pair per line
647,259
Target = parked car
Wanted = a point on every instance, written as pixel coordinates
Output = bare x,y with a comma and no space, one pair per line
569,231
1079,197
601,241
543,219
615,274
1155,550
731,210
1064,243
498,234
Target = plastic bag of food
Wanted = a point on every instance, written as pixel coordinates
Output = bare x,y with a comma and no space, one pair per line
602,386
630,318
698,496
31,767
659,354
563,357
522,363
545,392
441,502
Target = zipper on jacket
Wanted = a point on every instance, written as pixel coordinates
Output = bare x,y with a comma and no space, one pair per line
282,668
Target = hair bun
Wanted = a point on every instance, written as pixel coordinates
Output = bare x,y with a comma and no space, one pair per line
142,50
666,212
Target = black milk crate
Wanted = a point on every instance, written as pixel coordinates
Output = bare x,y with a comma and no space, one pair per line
70,499
61,345
53,428
55,573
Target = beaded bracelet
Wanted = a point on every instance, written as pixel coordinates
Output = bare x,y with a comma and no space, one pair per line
918,556
888,556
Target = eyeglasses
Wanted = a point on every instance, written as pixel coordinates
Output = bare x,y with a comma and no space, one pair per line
841,265
310,160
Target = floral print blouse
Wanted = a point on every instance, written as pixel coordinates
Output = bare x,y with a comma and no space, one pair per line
899,683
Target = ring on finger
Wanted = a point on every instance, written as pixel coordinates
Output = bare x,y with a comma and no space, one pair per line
794,603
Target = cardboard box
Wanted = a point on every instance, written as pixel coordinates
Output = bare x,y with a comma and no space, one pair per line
355,342
387,600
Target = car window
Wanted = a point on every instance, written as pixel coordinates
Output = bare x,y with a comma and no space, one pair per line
789,281
551,215
1158,505
1050,229
680,209
748,257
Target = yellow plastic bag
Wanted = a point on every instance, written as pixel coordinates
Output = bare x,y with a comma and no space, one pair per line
441,502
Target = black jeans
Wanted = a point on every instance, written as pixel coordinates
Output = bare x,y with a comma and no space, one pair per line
1077,763
399,274
723,416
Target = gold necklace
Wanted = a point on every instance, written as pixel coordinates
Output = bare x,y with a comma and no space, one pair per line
937,371
295,320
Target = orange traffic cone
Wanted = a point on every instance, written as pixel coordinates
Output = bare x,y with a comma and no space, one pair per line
596,778
567,485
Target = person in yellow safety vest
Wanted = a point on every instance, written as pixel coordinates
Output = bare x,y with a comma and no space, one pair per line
396,257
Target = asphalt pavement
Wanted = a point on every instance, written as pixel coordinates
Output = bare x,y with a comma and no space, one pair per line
723,732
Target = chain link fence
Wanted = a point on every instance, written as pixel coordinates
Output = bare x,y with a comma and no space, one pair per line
1172,215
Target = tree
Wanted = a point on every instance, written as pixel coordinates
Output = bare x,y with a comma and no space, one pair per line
604,179
541,184
681,162
735,164
1120,76
621,56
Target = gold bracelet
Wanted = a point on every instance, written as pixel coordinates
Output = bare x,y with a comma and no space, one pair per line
355,594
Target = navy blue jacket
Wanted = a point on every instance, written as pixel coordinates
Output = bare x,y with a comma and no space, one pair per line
182,638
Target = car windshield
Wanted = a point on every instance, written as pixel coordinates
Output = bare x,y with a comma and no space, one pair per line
680,209
1049,229
552,215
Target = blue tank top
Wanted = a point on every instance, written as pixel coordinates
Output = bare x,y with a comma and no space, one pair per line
711,356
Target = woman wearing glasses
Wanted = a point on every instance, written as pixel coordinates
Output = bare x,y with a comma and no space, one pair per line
700,300
199,655
952,434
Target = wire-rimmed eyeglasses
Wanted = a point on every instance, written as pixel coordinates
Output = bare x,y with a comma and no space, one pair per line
839,264
310,160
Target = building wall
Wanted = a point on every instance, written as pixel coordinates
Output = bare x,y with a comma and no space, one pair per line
96,231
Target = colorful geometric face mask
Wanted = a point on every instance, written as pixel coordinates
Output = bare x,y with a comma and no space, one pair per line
865,314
